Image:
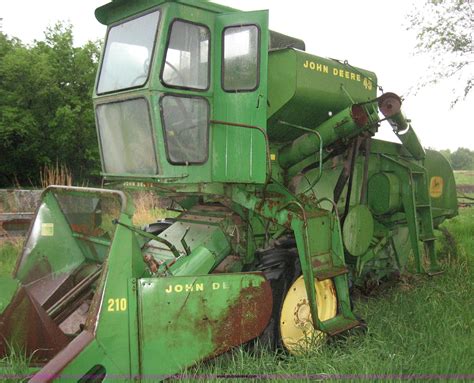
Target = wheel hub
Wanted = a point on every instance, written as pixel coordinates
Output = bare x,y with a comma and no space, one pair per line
303,314
296,324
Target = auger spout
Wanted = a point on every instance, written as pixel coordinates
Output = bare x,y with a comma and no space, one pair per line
390,106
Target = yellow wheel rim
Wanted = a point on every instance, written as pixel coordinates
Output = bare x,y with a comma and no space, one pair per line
296,325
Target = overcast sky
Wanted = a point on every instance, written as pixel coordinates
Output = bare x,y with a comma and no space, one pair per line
368,33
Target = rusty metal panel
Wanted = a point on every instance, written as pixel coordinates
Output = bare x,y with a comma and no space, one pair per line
25,324
183,320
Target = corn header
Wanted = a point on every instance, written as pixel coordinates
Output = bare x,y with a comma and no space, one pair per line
284,201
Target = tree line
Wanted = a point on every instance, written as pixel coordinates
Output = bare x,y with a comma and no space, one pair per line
46,114
460,159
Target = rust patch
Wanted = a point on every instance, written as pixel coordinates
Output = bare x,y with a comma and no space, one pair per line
52,370
359,115
26,325
290,218
152,263
246,318
272,203
40,269
315,262
91,229
389,104
211,208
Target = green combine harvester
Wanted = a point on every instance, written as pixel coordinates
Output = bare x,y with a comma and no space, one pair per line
285,202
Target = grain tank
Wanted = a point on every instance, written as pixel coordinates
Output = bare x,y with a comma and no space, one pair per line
282,200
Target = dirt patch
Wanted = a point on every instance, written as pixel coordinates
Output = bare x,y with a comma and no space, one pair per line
465,188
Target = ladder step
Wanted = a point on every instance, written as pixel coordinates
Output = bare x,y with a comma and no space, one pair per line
339,324
423,206
427,239
321,275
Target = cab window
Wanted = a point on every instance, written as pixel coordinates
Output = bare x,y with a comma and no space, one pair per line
186,128
187,56
128,52
240,58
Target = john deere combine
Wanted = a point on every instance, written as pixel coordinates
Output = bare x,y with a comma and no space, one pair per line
284,201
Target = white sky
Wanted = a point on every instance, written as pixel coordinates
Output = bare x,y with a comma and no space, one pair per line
368,33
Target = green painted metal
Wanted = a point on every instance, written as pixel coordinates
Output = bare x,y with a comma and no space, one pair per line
285,163
9,287
200,317
412,143
358,230
384,196
201,243
349,122
239,153
120,9
297,81
442,186
390,106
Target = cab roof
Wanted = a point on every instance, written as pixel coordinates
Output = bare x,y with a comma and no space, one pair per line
118,9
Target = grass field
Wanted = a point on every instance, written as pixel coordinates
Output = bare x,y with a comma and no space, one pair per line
419,328
464,177
9,250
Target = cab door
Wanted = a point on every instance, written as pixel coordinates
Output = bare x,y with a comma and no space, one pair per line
239,148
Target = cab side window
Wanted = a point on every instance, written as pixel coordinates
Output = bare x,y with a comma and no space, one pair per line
187,57
240,58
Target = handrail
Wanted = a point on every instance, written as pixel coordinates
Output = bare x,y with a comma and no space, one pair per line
320,151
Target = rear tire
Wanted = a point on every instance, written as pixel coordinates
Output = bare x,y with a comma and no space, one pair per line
280,266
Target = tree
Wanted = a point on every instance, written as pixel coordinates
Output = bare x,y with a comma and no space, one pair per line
46,113
446,153
462,159
444,32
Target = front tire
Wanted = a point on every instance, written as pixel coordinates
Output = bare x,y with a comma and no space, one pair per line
280,266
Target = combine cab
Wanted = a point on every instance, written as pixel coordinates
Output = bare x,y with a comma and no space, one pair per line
284,199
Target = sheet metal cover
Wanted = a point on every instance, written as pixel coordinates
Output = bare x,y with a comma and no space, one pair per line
358,230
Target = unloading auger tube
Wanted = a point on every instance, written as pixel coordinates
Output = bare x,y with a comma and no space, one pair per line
195,103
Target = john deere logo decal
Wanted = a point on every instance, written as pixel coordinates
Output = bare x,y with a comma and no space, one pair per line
436,187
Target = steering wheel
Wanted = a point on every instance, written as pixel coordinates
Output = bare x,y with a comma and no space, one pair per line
184,146
177,73
144,75
180,128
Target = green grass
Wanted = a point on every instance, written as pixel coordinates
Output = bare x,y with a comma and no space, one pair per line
14,367
464,177
9,251
465,186
15,364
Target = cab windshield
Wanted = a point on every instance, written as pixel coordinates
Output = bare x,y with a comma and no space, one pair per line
128,53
